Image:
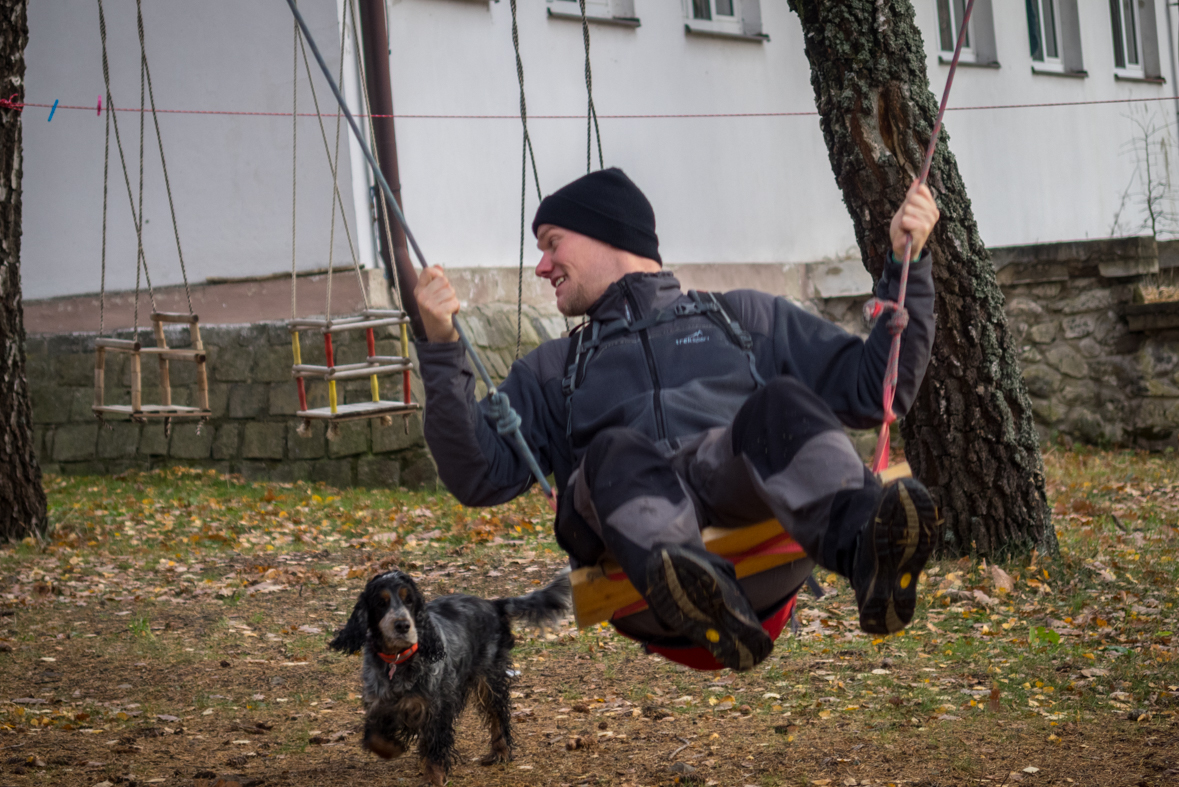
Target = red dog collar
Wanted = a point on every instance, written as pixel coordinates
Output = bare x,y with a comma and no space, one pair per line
400,658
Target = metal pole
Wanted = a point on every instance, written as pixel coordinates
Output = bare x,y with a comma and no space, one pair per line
374,33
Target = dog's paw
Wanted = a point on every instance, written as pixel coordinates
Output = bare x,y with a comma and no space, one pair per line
383,747
435,773
495,756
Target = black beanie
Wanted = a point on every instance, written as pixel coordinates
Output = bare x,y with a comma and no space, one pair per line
607,206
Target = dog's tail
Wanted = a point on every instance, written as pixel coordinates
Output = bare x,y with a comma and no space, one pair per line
542,607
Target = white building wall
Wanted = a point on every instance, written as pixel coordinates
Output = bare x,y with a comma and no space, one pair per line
725,190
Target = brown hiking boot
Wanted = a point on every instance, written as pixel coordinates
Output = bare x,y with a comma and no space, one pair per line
893,548
696,594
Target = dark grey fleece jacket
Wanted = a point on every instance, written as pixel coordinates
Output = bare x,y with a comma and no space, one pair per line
482,468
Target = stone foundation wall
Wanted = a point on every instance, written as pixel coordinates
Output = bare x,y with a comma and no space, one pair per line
253,400
1100,369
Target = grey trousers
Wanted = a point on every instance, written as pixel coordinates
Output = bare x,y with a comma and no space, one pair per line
785,456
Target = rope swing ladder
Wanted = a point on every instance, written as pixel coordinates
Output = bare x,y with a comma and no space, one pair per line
370,319
137,410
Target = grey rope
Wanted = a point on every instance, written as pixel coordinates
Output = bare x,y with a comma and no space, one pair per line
328,152
114,118
383,219
106,166
591,114
294,167
517,438
139,258
525,155
163,162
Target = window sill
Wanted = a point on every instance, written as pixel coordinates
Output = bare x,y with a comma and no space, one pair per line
699,31
945,61
1058,72
617,21
1123,77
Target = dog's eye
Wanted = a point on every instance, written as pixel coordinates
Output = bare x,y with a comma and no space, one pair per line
402,593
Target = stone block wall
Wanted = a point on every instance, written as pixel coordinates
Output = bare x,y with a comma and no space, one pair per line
253,399
1099,367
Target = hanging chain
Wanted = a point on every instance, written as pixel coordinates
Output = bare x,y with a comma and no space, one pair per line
591,114
525,155
383,218
163,162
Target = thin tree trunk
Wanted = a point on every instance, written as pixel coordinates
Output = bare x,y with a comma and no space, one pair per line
970,435
22,499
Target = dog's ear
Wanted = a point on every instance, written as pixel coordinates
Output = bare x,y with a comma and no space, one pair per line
352,637
430,645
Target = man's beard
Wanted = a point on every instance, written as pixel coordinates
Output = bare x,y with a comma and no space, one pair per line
576,303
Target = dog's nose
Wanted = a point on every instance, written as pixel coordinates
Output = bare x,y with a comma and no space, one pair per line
401,627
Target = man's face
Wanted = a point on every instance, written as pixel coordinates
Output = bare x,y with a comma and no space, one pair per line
579,267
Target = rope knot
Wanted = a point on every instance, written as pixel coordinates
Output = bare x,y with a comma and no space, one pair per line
11,103
507,420
900,315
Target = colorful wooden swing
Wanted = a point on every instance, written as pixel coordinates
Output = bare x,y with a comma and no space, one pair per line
603,593
137,410
369,320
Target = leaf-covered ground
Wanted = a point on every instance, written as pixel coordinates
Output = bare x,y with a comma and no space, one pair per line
173,629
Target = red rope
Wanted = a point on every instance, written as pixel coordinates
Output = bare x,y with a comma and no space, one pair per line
900,317
8,103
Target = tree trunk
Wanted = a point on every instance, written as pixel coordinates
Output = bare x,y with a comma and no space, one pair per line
970,435
22,499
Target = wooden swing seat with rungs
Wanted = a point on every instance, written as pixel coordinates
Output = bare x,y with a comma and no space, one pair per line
164,355
372,367
602,592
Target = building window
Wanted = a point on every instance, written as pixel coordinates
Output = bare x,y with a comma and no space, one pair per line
1054,35
1044,32
728,18
617,12
979,47
1135,40
1125,35
949,22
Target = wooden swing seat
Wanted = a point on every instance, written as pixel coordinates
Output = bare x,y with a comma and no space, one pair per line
602,592
372,367
137,410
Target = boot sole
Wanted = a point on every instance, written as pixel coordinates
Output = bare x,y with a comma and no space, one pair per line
902,541
687,595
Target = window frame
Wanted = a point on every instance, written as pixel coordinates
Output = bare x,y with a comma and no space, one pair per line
610,12
954,8
728,25
1053,64
1118,25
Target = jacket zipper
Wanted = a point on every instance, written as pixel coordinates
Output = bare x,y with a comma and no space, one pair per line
656,399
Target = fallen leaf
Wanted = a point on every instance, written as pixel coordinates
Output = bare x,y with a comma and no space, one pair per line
1002,580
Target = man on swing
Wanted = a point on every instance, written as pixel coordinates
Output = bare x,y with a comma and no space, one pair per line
669,412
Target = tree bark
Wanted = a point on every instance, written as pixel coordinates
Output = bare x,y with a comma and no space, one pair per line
970,436
22,498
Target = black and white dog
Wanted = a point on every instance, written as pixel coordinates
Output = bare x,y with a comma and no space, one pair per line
422,661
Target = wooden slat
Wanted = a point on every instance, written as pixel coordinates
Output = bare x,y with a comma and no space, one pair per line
124,345
174,317
170,354
596,597
890,474
337,327
357,411
154,411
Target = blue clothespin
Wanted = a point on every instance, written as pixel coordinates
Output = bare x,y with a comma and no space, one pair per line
54,108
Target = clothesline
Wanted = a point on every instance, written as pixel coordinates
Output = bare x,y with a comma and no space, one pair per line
8,104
